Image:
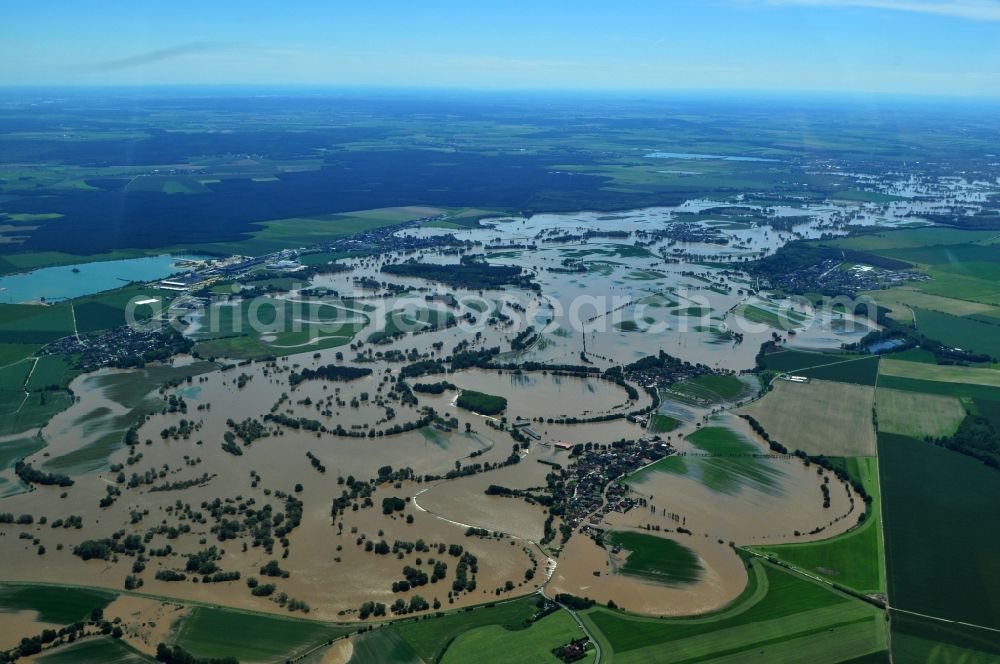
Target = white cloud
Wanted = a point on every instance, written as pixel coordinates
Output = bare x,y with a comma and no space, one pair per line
977,10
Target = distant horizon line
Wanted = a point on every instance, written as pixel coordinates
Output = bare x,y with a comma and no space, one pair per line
659,93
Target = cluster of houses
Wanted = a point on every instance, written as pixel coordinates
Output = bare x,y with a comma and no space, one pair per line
593,497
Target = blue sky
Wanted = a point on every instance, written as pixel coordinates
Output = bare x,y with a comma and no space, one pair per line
947,47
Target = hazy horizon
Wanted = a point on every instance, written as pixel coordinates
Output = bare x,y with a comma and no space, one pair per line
913,47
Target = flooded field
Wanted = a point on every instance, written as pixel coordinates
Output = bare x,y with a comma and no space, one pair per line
361,481
588,570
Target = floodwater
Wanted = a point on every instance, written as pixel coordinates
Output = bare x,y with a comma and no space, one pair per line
69,281
631,301
723,578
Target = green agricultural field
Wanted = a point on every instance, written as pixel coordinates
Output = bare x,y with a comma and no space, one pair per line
947,284
298,231
13,376
942,373
915,355
660,423
494,643
34,411
168,184
33,323
107,310
966,333
780,617
793,361
965,390
863,371
958,261
243,347
709,389
431,637
865,196
727,387
918,639
938,530
853,559
55,604
382,646
901,300
656,558
915,238
13,353
988,409
917,415
50,370
95,650
212,632
787,320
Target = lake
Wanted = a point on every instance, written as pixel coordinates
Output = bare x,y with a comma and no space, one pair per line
61,282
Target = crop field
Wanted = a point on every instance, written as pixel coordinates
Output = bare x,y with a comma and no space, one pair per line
249,636
659,423
50,370
900,300
854,559
105,311
727,387
33,323
54,604
942,373
243,347
382,646
12,353
779,321
13,376
918,639
792,361
965,333
494,643
861,371
958,261
938,534
709,389
917,415
946,284
34,411
988,409
656,558
99,650
274,235
818,417
912,239
430,638
780,617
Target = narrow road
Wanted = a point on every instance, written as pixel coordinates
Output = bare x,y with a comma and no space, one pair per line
72,311
597,646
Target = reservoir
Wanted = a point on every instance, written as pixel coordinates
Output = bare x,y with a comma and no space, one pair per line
69,281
